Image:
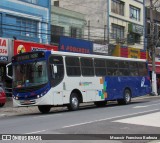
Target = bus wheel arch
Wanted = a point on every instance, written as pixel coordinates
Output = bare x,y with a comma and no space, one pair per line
127,95
75,100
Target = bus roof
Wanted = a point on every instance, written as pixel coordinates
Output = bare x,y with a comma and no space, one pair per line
95,56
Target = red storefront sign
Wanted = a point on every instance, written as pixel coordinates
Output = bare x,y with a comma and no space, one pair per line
143,55
124,52
157,69
4,49
24,46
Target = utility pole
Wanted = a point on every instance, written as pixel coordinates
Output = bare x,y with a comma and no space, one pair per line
105,27
154,81
88,29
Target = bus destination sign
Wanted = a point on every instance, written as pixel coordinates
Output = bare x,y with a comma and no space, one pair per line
28,56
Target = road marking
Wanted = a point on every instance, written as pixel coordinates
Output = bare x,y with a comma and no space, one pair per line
36,132
2,114
43,116
109,118
146,106
151,119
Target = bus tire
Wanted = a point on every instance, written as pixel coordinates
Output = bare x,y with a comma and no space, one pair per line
44,109
100,103
126,98
2,104
74,102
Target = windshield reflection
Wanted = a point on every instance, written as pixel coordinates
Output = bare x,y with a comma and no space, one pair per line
30,74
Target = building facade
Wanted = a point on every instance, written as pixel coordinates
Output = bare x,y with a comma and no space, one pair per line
126,21
96,14
25,20
65,22
111,21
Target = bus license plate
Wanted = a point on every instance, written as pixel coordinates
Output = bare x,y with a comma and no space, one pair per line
27,102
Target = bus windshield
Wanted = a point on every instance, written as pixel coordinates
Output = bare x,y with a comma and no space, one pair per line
30,74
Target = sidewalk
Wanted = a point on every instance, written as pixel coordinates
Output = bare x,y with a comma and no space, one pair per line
9,110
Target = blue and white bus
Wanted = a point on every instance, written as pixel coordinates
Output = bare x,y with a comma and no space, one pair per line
52,78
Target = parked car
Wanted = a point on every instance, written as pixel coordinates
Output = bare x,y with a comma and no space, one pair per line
2,97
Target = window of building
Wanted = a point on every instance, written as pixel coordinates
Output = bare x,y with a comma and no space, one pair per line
30,1
135,38
76,32
117,7
28,27
117,32
57,30
134,13
73,66
56,3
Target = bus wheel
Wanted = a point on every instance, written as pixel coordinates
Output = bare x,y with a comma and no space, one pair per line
44,109
74,102
100,103
126,98
2,104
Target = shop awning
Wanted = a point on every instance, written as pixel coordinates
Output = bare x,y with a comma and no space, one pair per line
157,69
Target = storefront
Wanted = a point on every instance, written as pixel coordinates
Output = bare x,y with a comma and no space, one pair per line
25,46
129,52
5,58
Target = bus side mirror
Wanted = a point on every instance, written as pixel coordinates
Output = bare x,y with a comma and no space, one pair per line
9,70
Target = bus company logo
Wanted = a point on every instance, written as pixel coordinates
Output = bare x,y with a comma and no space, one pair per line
21,49
85,83
142,82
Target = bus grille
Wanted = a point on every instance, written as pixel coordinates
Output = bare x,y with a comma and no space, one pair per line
27,102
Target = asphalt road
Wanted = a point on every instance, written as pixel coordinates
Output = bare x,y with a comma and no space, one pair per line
142,116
